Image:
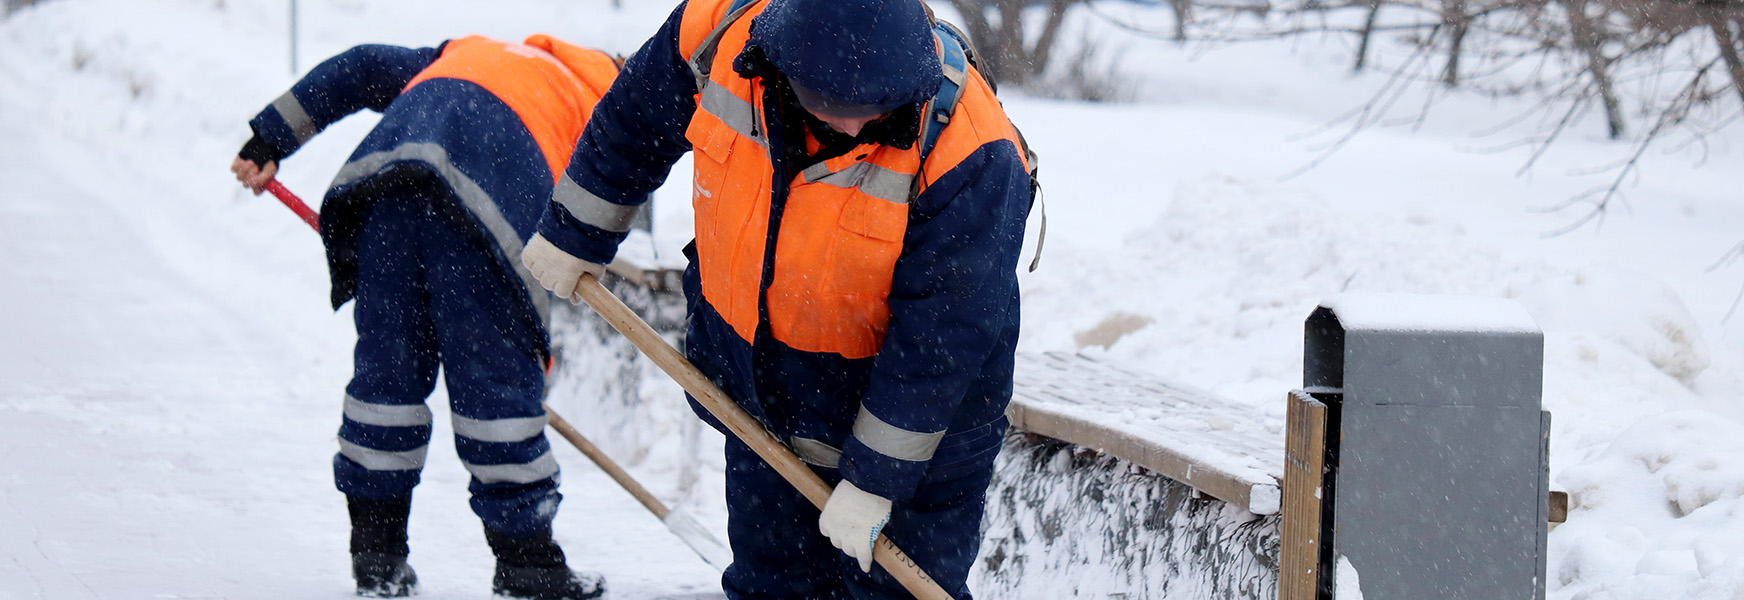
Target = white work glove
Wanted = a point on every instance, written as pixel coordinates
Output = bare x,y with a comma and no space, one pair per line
852,519
556,269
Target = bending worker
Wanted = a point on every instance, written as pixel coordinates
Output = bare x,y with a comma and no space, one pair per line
868,326
425,227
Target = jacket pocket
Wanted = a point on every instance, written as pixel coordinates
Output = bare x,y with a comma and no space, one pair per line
875,218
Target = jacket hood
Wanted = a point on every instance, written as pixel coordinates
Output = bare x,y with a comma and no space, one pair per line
868,52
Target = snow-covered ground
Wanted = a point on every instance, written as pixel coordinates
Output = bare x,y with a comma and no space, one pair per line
170,376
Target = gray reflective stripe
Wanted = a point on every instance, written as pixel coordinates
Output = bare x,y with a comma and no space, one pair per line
815,452
738,114
499,430
471,195
872,180
592,209
528,472
893,441
298,119
383,460
386,415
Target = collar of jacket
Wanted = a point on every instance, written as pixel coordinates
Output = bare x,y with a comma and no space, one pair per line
901,129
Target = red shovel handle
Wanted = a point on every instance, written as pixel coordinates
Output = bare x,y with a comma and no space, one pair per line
294,203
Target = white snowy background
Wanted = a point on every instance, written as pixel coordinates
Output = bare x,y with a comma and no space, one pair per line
170,374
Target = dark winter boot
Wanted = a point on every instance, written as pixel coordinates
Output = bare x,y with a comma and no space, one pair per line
533,568
383,575
378,547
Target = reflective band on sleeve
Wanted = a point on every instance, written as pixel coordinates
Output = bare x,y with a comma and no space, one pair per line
499,430
298,119
387,415
592,209
471,195
383,460
539,468
893,441
815,452
732,110
872,180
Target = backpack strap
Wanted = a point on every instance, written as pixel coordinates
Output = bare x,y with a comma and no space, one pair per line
954,61
702,61
955,54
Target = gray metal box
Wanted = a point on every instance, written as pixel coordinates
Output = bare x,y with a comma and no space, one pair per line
1436,476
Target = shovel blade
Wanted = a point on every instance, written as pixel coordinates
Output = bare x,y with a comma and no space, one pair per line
699,539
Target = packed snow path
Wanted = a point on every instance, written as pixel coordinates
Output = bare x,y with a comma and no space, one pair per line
167,422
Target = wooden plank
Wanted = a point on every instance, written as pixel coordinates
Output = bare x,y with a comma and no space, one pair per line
1221,448
1304,462
1559,507
1144,452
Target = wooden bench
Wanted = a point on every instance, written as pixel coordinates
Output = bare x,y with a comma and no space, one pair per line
1223,449
1219,447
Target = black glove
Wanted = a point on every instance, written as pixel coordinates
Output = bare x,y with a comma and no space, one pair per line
259,152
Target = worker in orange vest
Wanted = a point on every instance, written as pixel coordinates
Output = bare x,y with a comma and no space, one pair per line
424,227
853,280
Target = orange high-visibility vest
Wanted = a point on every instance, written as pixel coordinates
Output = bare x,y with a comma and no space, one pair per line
845,218
553,95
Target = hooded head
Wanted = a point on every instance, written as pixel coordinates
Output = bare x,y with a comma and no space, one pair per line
851,56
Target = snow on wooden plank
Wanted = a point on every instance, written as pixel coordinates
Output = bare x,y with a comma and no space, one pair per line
1219,447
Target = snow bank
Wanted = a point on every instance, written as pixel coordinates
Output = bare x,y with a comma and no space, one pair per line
1233,266
1639,312
1657,513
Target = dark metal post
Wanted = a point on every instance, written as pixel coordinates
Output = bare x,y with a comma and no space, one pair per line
1435,475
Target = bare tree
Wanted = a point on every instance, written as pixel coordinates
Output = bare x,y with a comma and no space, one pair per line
8,6
1681,60
998,31
1588,39
1367,33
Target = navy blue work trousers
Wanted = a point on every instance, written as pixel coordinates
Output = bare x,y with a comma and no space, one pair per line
432,293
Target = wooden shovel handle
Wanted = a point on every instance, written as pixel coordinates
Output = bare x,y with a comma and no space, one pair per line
746,427
605,463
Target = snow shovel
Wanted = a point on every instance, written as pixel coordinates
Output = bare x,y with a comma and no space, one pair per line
294,203
680,523
746,427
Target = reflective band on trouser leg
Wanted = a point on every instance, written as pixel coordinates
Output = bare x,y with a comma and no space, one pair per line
500,430
592,209
387,415
383,460
291,110
893,441
543,467
472,195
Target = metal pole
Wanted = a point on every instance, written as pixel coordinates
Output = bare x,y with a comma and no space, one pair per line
294,70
